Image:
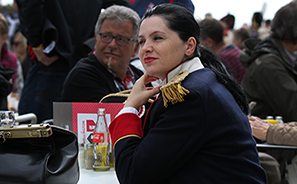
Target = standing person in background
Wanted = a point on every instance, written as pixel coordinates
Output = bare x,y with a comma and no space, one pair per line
271,76
256,24
228,24
212,36
56,30
197,126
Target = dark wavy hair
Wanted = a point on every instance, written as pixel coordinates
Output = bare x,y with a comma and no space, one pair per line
284,23
180,20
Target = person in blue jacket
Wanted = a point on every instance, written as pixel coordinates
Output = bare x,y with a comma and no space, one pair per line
197,130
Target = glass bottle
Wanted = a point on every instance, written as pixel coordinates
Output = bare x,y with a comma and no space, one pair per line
81,155
111,156
89,156
101,143
7,118
269,117
279,119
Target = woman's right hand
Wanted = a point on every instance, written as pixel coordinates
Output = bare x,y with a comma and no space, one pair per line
140,93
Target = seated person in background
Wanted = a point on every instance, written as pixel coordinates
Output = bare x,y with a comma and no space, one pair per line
212,36
197,127
239,36
282,133
107,70
271,76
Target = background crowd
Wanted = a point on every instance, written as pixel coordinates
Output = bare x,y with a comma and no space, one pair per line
41,60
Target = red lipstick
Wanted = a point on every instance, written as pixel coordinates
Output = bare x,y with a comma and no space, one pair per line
149,59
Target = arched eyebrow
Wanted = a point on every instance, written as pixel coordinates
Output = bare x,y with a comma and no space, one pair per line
155,32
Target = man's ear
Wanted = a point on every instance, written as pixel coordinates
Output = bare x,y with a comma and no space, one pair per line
135,50
191,46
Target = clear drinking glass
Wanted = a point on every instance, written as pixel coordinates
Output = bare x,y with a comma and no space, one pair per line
7,118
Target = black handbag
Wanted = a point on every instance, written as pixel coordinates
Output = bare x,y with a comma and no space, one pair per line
38,154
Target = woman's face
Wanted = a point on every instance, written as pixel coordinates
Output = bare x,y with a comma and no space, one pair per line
161,49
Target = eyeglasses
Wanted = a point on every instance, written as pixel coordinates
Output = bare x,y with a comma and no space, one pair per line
120,40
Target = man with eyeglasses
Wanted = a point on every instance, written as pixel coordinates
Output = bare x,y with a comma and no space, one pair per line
108,69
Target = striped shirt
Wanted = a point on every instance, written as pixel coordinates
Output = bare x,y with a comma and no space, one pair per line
230,56
125,84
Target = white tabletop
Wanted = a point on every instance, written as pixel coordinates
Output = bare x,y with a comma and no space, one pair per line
102,177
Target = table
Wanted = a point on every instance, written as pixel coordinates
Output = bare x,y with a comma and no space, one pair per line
283,154
109,177
265,146
104,177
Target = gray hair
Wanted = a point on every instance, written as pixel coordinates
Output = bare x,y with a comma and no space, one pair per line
120,14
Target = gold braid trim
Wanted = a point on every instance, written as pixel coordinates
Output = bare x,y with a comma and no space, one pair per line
173,91
124,93
126,136
119,94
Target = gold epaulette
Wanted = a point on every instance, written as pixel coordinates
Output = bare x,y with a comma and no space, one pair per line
173,91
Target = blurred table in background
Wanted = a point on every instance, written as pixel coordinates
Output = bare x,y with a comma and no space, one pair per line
104,177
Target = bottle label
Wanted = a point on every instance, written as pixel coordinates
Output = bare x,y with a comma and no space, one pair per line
98,137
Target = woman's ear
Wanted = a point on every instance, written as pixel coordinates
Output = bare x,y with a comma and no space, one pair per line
190,46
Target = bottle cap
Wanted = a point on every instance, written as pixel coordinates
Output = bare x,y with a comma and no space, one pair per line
269,117
101,111
89,146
